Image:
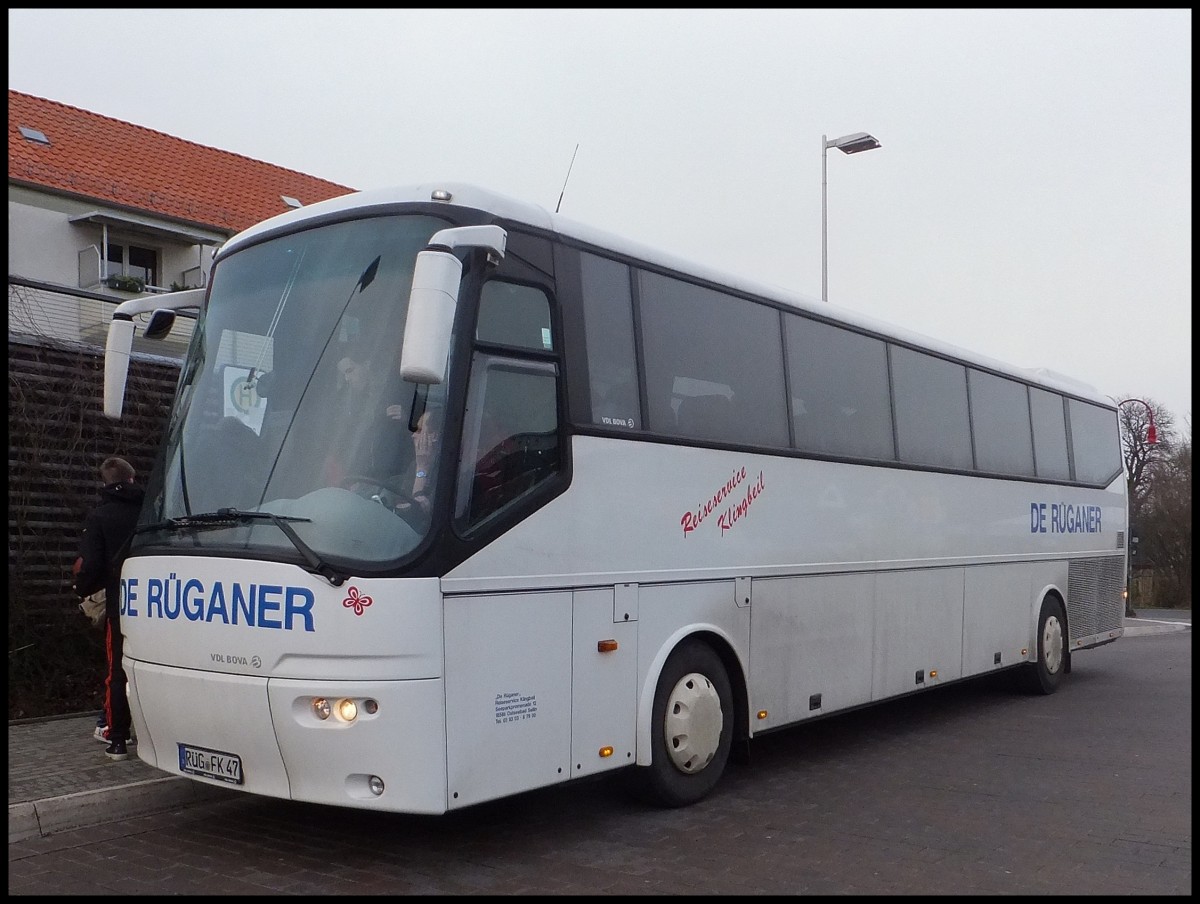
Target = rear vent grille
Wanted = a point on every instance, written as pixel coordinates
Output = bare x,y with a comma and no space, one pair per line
1095,602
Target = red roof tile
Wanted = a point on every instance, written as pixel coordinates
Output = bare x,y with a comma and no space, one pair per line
138,169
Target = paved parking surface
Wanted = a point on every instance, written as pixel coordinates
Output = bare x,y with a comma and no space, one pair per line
966,789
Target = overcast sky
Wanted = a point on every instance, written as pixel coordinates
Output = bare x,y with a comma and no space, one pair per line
1032,198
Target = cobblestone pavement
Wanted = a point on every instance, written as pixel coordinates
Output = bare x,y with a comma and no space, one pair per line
962,791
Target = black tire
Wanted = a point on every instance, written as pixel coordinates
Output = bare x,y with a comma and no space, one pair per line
692,728
1042,676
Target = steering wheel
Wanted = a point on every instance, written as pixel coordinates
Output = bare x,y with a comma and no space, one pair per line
414,513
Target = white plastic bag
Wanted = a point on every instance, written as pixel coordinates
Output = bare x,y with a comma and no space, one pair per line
93,607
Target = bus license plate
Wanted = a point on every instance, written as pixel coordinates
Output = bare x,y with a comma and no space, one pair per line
224,767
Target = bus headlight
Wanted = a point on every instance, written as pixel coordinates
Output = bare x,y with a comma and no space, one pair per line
321,708
347,710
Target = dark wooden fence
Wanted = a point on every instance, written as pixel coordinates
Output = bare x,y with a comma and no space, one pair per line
57,438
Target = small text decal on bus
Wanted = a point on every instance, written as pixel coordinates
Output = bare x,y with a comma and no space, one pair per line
732,512
512,707
253,605
1061,518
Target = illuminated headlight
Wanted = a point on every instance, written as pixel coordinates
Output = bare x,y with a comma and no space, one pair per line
347,710
321,708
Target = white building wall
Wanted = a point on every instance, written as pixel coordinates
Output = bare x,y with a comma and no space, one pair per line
42,244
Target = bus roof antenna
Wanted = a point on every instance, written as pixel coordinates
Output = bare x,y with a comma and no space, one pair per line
564,188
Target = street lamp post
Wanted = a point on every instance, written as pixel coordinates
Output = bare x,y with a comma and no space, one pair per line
847,144
1151,430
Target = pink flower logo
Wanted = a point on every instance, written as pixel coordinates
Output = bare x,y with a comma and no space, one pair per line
356,601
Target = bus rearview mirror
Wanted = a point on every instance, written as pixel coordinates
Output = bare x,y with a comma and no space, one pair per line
116,365
436,276
431,307
160,324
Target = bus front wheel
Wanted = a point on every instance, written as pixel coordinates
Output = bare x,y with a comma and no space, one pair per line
692,728
1043,675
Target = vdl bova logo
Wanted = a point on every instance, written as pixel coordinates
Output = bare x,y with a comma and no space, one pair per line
233,659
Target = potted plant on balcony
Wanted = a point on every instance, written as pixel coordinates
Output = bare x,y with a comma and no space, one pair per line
126,283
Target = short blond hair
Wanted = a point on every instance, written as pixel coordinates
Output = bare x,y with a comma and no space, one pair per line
116,470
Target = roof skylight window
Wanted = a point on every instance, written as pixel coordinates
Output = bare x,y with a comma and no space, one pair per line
34,135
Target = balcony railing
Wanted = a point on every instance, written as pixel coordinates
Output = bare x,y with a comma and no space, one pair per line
65,314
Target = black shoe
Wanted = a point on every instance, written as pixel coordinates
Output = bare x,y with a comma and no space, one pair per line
117,750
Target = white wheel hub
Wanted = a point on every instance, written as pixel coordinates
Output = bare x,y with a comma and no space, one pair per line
1052,645
693,722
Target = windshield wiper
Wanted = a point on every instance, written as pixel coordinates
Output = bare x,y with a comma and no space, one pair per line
227,516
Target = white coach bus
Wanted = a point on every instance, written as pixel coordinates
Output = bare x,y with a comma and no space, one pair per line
459,498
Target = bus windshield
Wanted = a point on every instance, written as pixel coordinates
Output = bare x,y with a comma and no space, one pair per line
293,433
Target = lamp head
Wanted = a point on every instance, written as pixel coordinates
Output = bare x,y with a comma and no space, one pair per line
853,144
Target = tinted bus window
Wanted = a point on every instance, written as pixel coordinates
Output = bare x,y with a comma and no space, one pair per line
510,434
1000,419
714,364
1095,442
512,314
1049,434
931,410
608,329
838,390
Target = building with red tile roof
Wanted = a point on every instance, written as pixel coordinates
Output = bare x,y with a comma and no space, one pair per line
100,209
86,155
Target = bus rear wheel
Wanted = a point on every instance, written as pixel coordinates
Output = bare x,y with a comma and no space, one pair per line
1042,676
692,728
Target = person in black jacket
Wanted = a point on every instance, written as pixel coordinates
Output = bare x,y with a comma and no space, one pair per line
103,546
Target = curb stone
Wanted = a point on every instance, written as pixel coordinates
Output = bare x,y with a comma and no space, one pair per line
33,819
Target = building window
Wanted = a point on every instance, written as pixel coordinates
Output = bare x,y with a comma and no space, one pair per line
130,260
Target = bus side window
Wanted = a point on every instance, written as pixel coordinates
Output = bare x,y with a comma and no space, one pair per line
510,443
608,326
516,315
